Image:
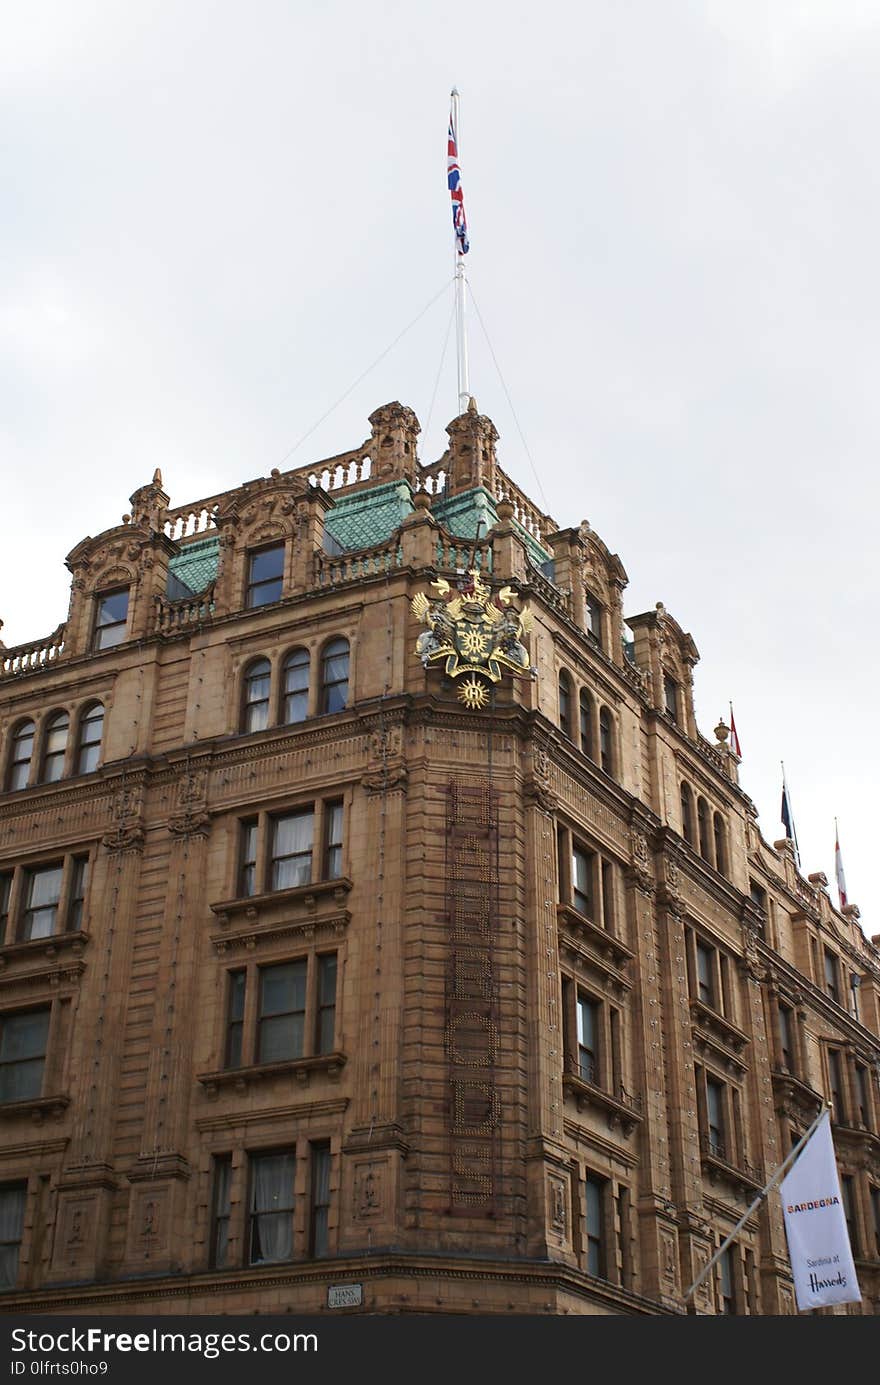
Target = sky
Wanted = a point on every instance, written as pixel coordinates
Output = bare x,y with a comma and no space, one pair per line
217,217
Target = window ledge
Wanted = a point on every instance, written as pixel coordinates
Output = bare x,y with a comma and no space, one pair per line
716,1026
39,948
793,1095
250,906
621,1109
716,1164
580,926
39,1108
859,1135
330,1064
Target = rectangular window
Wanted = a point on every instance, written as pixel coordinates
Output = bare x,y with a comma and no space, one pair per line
875,1209
594,617
588,1039
326,1012
786,1045
235,1018
670,696
111,619
265,576
582,866
847,1195
715,1117
595,1226
706,974
319,1237
79,880
332,840
12,1200
221,1210
608,896
247,871
292,837
281,1023
726,1281
270,1231
831,982
5,899
758,896
42,897
862,1098
23,1039
836,1085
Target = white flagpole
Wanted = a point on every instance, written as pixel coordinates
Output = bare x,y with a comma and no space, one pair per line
774,1179
464,393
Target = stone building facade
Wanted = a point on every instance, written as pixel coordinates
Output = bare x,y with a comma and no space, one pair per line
321,984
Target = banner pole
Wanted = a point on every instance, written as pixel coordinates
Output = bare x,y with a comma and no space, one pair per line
774,1179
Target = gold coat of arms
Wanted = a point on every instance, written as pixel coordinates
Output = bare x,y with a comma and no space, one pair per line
476,638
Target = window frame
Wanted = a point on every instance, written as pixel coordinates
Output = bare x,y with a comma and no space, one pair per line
328,685
253,1216
84,719
98,643
252,584
256,670
56,721
18,733
288,665
20,1187
564,694
244,1014
16,897
257,865
7,1016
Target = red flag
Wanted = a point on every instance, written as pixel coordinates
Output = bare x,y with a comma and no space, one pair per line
734,738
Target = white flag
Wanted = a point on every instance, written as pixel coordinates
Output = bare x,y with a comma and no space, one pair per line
818,1241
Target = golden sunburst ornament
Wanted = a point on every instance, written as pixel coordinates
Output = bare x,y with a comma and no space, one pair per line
473,693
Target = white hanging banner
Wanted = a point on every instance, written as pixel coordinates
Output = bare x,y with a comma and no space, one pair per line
818,1240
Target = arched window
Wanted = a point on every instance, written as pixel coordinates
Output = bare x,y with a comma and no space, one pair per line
703,828
255,711
720,845
606,741
296,687
55,748
21,755
91,729
565,703
586,710
334,676
687,814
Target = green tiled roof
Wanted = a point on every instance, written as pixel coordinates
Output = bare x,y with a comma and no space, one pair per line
461,514
369,516
195,567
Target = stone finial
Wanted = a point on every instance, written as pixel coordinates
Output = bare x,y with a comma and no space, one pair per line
818,877
148,503
393,445
722,731
472,439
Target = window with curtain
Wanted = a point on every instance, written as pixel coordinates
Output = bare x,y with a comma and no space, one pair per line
42,898
334,676
588,1038
296,687
55,747
21,754
91,729
221,1210
320,1211
292,837
326,1013
255,710
595,1225
271,1208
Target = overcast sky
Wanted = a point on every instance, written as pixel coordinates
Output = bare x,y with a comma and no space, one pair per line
216,216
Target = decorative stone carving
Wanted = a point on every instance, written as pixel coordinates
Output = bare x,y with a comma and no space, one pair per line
190,815
127,832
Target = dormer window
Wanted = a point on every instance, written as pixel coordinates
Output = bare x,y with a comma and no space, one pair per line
670,697
594,618
112,619
265,575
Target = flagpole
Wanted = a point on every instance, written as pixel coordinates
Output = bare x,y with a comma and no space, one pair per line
768,1187
797,853
464,393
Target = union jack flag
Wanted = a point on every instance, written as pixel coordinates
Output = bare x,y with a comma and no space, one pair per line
459,220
